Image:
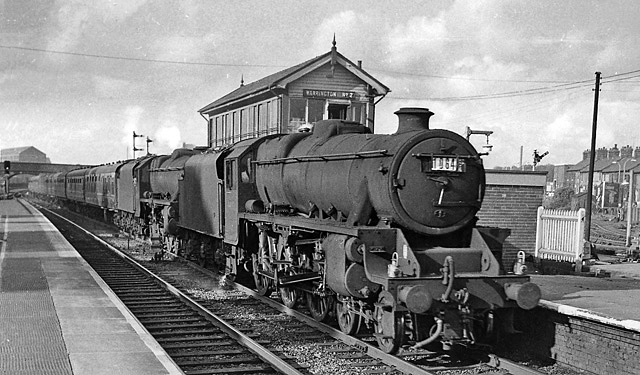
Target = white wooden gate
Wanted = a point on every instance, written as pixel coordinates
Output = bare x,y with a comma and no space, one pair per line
560,235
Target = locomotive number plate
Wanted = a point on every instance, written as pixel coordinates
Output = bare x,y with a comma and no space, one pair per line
444,164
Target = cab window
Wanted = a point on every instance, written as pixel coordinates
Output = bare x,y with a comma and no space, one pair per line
230,168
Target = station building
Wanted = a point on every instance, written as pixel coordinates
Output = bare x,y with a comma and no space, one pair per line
28,154
328,86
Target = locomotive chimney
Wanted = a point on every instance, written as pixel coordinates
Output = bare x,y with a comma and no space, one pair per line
412,119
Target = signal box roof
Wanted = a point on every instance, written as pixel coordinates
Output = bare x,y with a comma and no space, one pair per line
280,79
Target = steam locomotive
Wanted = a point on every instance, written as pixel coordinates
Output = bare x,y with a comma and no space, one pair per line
374,230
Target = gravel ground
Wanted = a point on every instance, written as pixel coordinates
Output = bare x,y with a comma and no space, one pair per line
318,359
276,327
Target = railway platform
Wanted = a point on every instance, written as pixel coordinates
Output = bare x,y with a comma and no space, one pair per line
610,300
56,315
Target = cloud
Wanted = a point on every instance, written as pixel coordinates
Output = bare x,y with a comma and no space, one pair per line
421,38
185,48
561,128
75,21
609,55
132,116
109,87
618,123
342,24
358,35
72,19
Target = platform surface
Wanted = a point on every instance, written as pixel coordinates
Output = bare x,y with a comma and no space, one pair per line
56,315
613,300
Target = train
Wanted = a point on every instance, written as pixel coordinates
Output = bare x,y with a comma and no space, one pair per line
369,230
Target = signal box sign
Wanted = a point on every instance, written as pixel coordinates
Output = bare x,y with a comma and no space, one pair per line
328,94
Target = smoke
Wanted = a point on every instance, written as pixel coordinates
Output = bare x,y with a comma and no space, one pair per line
132,116
167,138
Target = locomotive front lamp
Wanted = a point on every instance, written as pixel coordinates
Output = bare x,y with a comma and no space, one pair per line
487,147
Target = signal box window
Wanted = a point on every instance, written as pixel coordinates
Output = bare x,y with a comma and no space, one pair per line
357,113
263,119
297,113
338,111
246,130
219,131
316,110
274,111
228,130
236,126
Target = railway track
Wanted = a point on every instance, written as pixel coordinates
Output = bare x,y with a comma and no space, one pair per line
607,235
230,329
196,339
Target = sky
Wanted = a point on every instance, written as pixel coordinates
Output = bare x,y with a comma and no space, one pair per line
77,77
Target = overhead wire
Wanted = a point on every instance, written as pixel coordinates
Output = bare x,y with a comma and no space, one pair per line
139,58
502,114
621,74
561,86
607,80
510,94
42,50
416,74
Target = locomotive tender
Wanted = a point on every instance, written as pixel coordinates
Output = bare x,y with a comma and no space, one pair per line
378,230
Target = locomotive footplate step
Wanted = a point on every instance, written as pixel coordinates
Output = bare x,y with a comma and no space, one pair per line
56,315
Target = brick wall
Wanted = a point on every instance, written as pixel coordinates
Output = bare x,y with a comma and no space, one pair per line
585,345
511,201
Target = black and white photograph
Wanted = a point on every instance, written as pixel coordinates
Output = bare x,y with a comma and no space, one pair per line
439,187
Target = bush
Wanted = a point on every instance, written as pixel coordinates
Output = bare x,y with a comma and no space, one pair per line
561,199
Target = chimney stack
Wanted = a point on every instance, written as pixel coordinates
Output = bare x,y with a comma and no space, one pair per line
413,119
626,152
614,152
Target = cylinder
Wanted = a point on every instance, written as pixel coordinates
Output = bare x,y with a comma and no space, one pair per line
354,249
357,283
526,295
416,297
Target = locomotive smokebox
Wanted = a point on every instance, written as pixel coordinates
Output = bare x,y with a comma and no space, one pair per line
413,119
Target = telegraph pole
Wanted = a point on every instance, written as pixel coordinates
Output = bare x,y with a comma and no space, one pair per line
629,208
587,224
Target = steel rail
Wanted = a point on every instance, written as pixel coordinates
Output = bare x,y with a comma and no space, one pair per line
511,367
268,356
370,350
401,365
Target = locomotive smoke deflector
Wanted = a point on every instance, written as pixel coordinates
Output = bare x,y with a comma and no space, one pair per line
412,119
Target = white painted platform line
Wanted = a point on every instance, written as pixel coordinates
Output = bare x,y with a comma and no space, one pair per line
632,325
146,337
3,242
